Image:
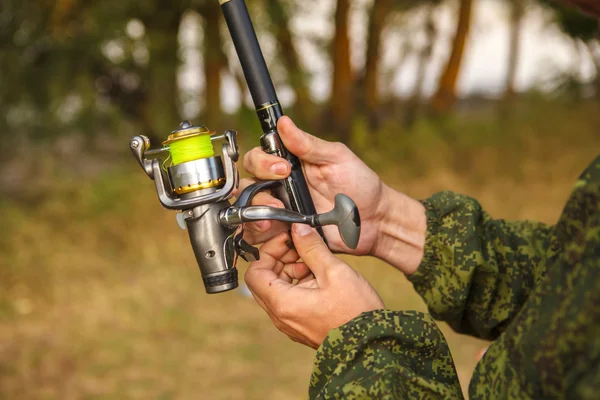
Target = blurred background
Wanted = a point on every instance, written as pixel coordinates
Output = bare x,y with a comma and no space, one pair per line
100,295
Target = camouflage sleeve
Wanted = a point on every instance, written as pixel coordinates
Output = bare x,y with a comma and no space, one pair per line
385,355
477,271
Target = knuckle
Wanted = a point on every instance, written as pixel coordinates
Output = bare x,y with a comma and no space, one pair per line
247,163
280,311
339,147
337,270
261,199
250,237
313,248
249,159
253,227
265,162
276,202
333,270
245,182
249,277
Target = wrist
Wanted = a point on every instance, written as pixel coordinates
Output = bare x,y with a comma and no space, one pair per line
401,232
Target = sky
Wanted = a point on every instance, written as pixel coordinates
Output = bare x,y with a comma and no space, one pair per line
545,51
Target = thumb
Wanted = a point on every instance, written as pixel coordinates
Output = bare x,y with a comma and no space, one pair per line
313,250
305,146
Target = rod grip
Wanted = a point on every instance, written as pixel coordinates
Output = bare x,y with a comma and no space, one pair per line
248,49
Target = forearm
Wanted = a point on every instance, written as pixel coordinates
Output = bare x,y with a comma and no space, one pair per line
402,227
463,263
477,272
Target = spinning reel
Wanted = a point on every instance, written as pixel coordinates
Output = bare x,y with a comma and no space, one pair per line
190,178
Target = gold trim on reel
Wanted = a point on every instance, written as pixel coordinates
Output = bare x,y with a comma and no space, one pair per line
200,186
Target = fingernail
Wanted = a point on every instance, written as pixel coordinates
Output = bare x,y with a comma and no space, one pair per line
279,168
302,230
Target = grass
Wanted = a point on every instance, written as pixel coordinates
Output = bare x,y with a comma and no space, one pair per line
101,298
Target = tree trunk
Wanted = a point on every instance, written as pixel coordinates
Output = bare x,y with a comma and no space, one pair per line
61,17
425,55
160,110
516,19
214,64
342,96
445,96
379,13
287,50
240,81
595,56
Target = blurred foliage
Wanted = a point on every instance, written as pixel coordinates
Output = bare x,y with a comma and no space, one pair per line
573,23
81,65
90,67
100,296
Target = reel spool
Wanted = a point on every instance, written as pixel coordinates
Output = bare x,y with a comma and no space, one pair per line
194,165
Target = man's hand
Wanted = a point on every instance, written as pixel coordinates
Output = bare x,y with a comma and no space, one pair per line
327,294
330,168
393,225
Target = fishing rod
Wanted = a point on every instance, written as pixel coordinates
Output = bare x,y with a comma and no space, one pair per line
295,194
190,177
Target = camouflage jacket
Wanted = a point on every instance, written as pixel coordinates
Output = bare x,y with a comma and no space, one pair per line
532,288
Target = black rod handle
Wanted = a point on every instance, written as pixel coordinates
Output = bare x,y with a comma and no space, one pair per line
248,50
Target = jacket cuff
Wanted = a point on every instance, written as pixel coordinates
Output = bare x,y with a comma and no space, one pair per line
411,333
432,247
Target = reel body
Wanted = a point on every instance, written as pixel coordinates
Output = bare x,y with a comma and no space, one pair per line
200,185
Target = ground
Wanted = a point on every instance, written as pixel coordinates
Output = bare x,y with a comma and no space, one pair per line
101,298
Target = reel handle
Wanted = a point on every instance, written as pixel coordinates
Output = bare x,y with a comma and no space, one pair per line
344,215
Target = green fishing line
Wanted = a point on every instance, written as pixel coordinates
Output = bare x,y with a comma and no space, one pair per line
194,148
164,164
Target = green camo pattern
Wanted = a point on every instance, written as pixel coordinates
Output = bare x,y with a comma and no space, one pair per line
532,288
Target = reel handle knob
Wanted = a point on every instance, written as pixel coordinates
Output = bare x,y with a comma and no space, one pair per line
346,217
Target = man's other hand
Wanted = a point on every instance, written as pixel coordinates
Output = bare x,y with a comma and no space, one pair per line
330,168
306,299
